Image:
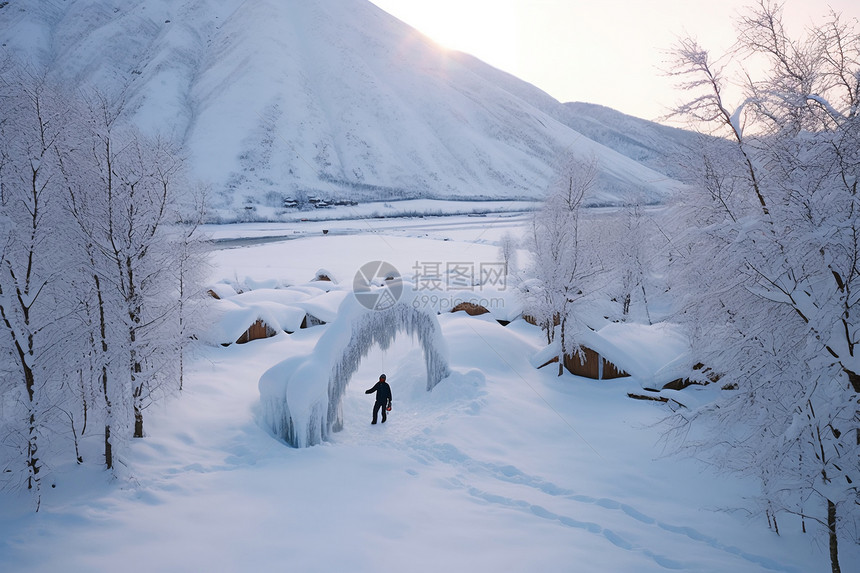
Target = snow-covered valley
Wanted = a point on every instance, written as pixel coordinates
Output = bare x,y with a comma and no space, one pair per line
501,467
613,345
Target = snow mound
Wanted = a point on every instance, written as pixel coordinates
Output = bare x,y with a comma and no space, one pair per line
280,309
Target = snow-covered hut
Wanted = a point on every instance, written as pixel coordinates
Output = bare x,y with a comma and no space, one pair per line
324,276
653,354
322,308
256,331
221,291
256,314
502,305
471,308
591,364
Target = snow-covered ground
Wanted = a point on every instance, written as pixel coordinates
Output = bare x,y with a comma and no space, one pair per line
501,468
410,216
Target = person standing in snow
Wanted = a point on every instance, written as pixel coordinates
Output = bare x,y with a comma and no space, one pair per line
383,398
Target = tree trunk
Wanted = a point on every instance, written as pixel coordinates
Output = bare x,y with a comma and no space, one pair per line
34,481
182,321
33,465
108,448
831,531
32,461
138,422
854,379
645,303
561,352
136,400
105,380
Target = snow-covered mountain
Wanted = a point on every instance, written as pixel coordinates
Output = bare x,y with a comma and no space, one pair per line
276,100
653,144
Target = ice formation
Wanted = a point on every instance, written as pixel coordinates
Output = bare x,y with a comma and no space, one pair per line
301,396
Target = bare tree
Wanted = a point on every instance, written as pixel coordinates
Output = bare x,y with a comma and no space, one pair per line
191,249
87,173
628,239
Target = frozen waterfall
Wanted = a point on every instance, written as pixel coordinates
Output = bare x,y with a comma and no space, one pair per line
301,396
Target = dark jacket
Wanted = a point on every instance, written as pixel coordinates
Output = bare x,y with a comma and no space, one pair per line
383,392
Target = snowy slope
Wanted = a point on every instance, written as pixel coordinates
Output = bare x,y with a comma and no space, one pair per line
280,100
655,145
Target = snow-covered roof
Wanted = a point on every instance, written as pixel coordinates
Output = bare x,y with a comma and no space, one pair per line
325,275
222,290
280,296
653,354
503,304
282,309
324,306
232,319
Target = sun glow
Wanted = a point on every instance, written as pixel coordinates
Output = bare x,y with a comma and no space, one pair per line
614,52
487,29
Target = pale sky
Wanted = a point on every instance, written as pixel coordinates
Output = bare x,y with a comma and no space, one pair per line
609,52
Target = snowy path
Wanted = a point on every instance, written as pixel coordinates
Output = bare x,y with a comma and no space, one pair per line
536,496
501,486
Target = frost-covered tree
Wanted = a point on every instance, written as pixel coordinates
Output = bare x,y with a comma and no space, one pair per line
99,273
772,266
630,244
189,271
84,176
33,245
566,269
508,253
123,194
